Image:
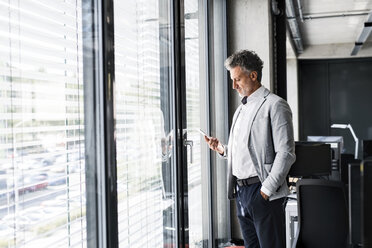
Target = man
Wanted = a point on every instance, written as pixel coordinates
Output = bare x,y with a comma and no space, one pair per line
260,153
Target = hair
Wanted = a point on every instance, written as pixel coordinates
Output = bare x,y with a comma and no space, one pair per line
247,60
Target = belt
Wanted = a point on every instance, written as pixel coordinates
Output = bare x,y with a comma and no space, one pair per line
247,181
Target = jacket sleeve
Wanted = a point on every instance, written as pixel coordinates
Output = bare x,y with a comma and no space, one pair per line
284,146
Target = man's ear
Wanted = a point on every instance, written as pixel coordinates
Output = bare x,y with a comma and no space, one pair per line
253,76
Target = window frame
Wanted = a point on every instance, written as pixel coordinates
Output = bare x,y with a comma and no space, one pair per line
100,143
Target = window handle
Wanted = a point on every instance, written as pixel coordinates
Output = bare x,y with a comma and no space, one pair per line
191,144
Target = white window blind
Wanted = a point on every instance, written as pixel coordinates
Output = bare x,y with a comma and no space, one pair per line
141,74
42,175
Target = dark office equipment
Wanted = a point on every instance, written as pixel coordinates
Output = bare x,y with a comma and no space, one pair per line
312,159
335,91
337,144
347,159
367,149
355,204
322,214
366,199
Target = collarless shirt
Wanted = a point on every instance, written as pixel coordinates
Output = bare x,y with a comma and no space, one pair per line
242,165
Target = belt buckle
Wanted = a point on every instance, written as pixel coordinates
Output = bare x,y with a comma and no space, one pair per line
240,183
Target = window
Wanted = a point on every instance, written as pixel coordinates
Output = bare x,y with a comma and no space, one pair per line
42,178
197,116
61,128
144,124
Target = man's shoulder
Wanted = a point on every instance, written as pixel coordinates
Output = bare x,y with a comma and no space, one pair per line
275,103
273,98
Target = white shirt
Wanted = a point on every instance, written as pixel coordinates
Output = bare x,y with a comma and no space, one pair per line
242,165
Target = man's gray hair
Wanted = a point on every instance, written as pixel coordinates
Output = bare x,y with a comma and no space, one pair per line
247,60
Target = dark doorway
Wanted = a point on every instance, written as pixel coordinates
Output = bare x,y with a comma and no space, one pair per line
336,92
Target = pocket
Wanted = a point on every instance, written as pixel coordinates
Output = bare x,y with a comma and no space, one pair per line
262,198
258,193
261,208
269,154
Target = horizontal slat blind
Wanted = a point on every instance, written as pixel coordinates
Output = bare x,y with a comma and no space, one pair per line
140,124
42,175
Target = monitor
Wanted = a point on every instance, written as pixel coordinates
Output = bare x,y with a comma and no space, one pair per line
312,159
336,142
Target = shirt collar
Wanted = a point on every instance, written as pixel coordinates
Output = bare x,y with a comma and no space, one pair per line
255,94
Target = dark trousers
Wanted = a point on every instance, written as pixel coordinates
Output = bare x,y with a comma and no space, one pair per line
262,222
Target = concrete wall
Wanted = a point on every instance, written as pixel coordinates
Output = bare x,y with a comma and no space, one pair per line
292,92
326,51
292,85
248,27
335,51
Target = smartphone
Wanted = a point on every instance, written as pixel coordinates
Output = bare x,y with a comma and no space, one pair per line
203,133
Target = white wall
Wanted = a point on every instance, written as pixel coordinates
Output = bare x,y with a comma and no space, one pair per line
249,27
292,92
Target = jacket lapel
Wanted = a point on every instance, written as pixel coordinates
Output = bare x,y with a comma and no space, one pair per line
236,114
235,117
265,93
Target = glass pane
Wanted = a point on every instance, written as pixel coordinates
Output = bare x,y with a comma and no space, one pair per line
144,126
197,170
42,176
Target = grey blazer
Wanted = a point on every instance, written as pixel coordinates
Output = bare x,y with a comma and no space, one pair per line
270,143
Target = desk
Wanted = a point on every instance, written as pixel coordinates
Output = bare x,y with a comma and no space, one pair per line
291,221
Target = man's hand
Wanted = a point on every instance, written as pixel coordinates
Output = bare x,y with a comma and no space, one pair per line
214,144
266,197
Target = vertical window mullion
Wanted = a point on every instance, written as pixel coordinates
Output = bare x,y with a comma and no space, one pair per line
110,142
100,142
180,108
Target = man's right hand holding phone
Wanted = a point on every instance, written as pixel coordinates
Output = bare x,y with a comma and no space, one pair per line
214,144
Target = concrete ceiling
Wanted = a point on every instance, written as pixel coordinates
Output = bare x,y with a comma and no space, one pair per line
336,23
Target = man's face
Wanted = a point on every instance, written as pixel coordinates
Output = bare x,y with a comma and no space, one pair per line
242,81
